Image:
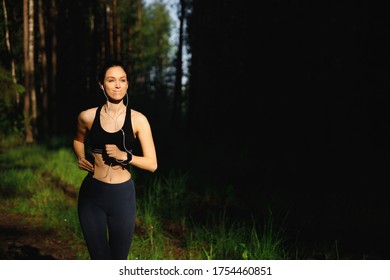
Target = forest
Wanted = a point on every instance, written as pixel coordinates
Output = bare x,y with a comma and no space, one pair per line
276,108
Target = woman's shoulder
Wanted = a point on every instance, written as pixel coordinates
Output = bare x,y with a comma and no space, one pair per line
89,111
137,116
138,119
88,115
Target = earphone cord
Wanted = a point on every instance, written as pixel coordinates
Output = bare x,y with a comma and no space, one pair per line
116,123
116,126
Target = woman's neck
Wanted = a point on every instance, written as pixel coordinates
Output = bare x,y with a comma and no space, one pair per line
114,108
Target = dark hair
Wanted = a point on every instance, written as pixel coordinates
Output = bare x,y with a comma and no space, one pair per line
108,65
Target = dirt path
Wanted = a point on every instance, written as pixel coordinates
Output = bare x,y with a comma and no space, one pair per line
23,238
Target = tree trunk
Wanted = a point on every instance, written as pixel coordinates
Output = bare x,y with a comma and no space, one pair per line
31,39
115,29
110,31
106,34
177,100
9,49
130,47
27,112
43,56
140,74
53,67
118,38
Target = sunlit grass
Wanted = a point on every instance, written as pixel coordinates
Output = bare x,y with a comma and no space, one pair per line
62,164
28,185
17,182
26,156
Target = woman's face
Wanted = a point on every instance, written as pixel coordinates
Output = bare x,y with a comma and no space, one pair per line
115,83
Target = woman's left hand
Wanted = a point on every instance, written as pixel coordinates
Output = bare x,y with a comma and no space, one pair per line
113,151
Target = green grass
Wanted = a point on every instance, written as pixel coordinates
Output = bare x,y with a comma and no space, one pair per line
30,184
17,182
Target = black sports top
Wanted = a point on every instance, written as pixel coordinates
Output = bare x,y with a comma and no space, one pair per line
98,137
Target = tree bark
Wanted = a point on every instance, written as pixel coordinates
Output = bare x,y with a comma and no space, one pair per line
141,75
115,29
130,47
27,112
110,31
31,62
43,56
9,49
53,67
177,100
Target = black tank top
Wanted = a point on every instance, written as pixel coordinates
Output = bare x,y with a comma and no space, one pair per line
98,137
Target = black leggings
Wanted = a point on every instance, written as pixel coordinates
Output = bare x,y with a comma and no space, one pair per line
107,218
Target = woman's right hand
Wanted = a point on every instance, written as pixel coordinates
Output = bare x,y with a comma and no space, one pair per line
84,164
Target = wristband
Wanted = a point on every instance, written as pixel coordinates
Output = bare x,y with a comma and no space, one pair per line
126,161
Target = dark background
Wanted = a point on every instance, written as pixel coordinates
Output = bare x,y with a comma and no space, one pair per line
298,93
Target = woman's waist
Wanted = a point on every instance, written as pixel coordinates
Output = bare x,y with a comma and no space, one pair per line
111,173
106,183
